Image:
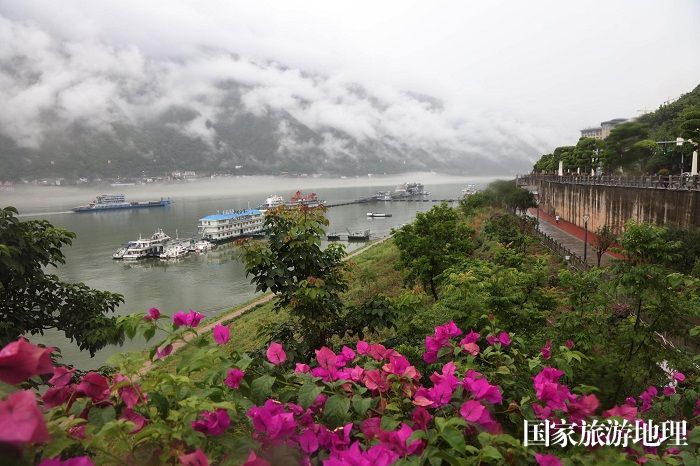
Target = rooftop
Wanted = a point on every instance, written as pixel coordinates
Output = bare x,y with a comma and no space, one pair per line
232,215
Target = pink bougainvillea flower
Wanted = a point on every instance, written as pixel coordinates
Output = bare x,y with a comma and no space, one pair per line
189,319
153,314
549,390
503,338
362,347
546,350
471,337
400,366
397,441
20,360
130,393
212,422
163,352
234,377
569,344
56,396
476,413
196,458
61,376
547,460
582,407
301,368
447,331
631,401
668,391
376,380
93,385
276,354
378,352
132,416
326,358
679,377
481,389
377,455
77,461
471,348
624,411
370,427
21,421
272,421
647,397
421,418
347,354
254,460
308,441
222,334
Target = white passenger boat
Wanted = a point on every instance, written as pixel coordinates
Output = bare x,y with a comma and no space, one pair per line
272,202
174,251
203,246
142,248
377,215
231,225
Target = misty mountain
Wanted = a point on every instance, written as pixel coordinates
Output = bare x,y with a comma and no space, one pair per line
85,110
266,143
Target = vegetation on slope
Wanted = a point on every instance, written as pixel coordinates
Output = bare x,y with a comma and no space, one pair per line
632,146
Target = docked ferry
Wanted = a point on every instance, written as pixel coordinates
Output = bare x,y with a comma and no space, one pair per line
231,225
272,202
118,201
143,248
308,200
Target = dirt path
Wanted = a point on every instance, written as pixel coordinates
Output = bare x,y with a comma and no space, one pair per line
267,297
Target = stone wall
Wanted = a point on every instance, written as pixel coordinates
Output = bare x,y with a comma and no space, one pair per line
614,205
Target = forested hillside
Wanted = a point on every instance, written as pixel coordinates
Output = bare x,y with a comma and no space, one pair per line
633,147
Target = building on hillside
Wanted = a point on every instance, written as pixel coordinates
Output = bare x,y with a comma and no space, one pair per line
595,132
607,126
602,131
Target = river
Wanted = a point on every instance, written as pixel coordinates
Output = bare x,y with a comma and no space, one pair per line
212,282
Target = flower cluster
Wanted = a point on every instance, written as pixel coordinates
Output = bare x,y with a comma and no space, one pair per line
360,405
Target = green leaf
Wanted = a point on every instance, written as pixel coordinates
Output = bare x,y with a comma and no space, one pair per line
491,452
261,388
389,423
308,394
454,438
336,410
244,361
361,405
160,402
99,417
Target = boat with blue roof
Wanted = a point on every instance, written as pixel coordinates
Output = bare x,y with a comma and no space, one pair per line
231,225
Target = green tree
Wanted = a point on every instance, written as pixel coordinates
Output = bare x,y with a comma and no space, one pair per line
605,238
661,302
431,243
690,125
307,279
620,141
32,301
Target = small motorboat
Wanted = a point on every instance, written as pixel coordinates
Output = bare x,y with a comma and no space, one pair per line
377,215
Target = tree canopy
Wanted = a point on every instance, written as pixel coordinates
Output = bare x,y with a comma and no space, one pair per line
32,301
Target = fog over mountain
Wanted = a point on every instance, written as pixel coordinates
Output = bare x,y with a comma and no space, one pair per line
170,86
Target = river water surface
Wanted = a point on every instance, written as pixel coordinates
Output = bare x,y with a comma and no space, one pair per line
212,282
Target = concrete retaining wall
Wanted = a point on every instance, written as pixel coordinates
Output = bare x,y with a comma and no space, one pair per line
614,205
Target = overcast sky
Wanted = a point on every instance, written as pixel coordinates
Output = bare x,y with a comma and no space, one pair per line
543,69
